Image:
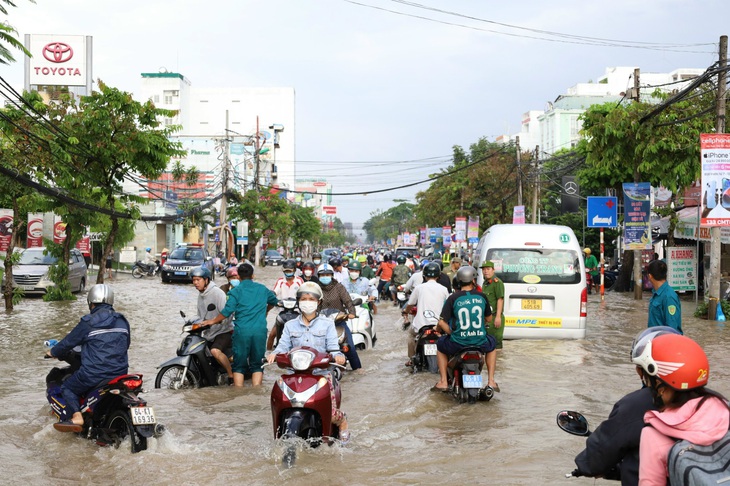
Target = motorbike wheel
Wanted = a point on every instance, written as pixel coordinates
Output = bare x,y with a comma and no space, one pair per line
171,377
608,282
119,427
137,272
432,364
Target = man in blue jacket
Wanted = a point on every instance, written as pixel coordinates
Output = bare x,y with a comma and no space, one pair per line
103,335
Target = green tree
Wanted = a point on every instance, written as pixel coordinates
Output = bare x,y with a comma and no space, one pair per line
304,225
267,215
383,225
7,36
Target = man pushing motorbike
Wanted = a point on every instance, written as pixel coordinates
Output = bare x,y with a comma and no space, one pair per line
104,337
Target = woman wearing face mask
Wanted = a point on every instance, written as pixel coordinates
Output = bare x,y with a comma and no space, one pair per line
233,279
308,272
335,296
311,329
317,259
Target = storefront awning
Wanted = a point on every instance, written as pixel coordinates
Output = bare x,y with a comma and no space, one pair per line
687,227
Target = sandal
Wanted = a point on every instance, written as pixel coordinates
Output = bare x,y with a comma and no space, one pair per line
67,426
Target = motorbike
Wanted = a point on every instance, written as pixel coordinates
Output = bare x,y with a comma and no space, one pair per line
401,297
340,319
142,269
113,412
289,311
194,366
464,374
576,424
362,326
425,357
300,399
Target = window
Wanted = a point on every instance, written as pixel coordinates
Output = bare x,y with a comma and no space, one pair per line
156,98
551,266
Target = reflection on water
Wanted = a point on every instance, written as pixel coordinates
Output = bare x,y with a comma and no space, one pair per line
402,432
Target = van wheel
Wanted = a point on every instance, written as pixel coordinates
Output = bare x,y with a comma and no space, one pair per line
82,285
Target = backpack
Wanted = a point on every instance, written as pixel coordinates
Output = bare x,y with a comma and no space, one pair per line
694,465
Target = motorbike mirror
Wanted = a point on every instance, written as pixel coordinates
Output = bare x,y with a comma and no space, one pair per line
573,423
182,314
211,307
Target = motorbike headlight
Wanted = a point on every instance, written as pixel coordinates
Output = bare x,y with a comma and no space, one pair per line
301,359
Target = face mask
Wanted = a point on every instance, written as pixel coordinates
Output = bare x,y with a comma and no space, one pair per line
308,273
317,262
354,275
308,307
299,259
234,283
325,280
289,274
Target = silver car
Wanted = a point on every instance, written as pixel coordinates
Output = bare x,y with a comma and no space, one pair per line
31,272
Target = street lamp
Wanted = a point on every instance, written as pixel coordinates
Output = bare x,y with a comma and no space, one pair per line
277,128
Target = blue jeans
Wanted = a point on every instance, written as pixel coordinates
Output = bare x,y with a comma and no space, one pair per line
352,356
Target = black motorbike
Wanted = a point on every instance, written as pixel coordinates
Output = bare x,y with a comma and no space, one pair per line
194,366
142,269
425,357
464,373
112,413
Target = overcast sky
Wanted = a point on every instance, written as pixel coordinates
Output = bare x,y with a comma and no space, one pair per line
390,94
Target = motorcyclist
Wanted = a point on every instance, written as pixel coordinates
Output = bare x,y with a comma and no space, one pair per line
233,279
104,337
356,284
335,296
307,330
218,336
464,320
429,299
612,450
340,270
149,261
317,259
287,285
298,262
401,274
309,272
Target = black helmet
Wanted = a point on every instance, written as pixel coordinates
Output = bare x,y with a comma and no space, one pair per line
289,265
440,264
401,259
309,265
466,274
316,255
336,262
432,270
202,272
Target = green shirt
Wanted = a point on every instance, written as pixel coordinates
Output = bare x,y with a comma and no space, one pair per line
248,301
494,290
367,272
466,313
592,265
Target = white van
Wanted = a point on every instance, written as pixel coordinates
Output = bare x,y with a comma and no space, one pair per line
543,272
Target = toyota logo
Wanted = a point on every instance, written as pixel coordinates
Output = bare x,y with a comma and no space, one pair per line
58,52
532,289
571,188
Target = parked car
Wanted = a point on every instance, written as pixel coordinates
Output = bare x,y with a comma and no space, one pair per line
273,258
31,272
183,260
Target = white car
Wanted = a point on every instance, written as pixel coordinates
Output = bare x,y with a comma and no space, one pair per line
31,272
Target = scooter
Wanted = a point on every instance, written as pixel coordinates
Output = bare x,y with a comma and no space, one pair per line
194,366
464,374
401,297
425,357
289,311
142,269
301,405
362,326
112,413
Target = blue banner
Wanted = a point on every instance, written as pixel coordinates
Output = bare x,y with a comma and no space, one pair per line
637,215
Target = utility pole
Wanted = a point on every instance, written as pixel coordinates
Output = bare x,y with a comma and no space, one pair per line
223,219
519,173
536,187
638,280
715,230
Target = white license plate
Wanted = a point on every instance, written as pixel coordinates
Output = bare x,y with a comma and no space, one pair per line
143,416
27,287
181,273
429,350
472,381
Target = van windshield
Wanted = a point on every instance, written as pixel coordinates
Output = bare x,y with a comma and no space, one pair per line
36,256
522,265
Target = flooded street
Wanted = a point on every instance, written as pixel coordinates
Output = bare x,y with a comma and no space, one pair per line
401,432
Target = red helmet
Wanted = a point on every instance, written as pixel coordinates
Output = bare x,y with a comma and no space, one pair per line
676,360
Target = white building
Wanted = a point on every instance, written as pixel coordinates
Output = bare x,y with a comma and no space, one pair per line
208,116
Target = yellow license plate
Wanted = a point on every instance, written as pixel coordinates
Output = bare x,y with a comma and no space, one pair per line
531,304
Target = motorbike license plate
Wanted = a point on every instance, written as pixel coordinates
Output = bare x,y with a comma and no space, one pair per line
429,349
181,273
143,416
531,304
472,381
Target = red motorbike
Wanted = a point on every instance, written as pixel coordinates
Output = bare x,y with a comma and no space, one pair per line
300,400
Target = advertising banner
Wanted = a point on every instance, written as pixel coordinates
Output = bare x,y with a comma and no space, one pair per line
84,245
518,215
35,230
460,230
330,210
58,60
682,268
59,229
423,235
715,159
473,233
6,229
446,233
637,211
407,239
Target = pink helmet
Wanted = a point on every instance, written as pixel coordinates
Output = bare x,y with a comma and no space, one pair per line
232,272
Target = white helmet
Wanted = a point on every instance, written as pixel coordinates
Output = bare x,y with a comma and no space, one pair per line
310,288
100,294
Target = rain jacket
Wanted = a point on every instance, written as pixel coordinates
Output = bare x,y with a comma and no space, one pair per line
701,426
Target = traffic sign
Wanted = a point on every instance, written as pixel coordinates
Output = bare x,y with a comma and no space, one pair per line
602,212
